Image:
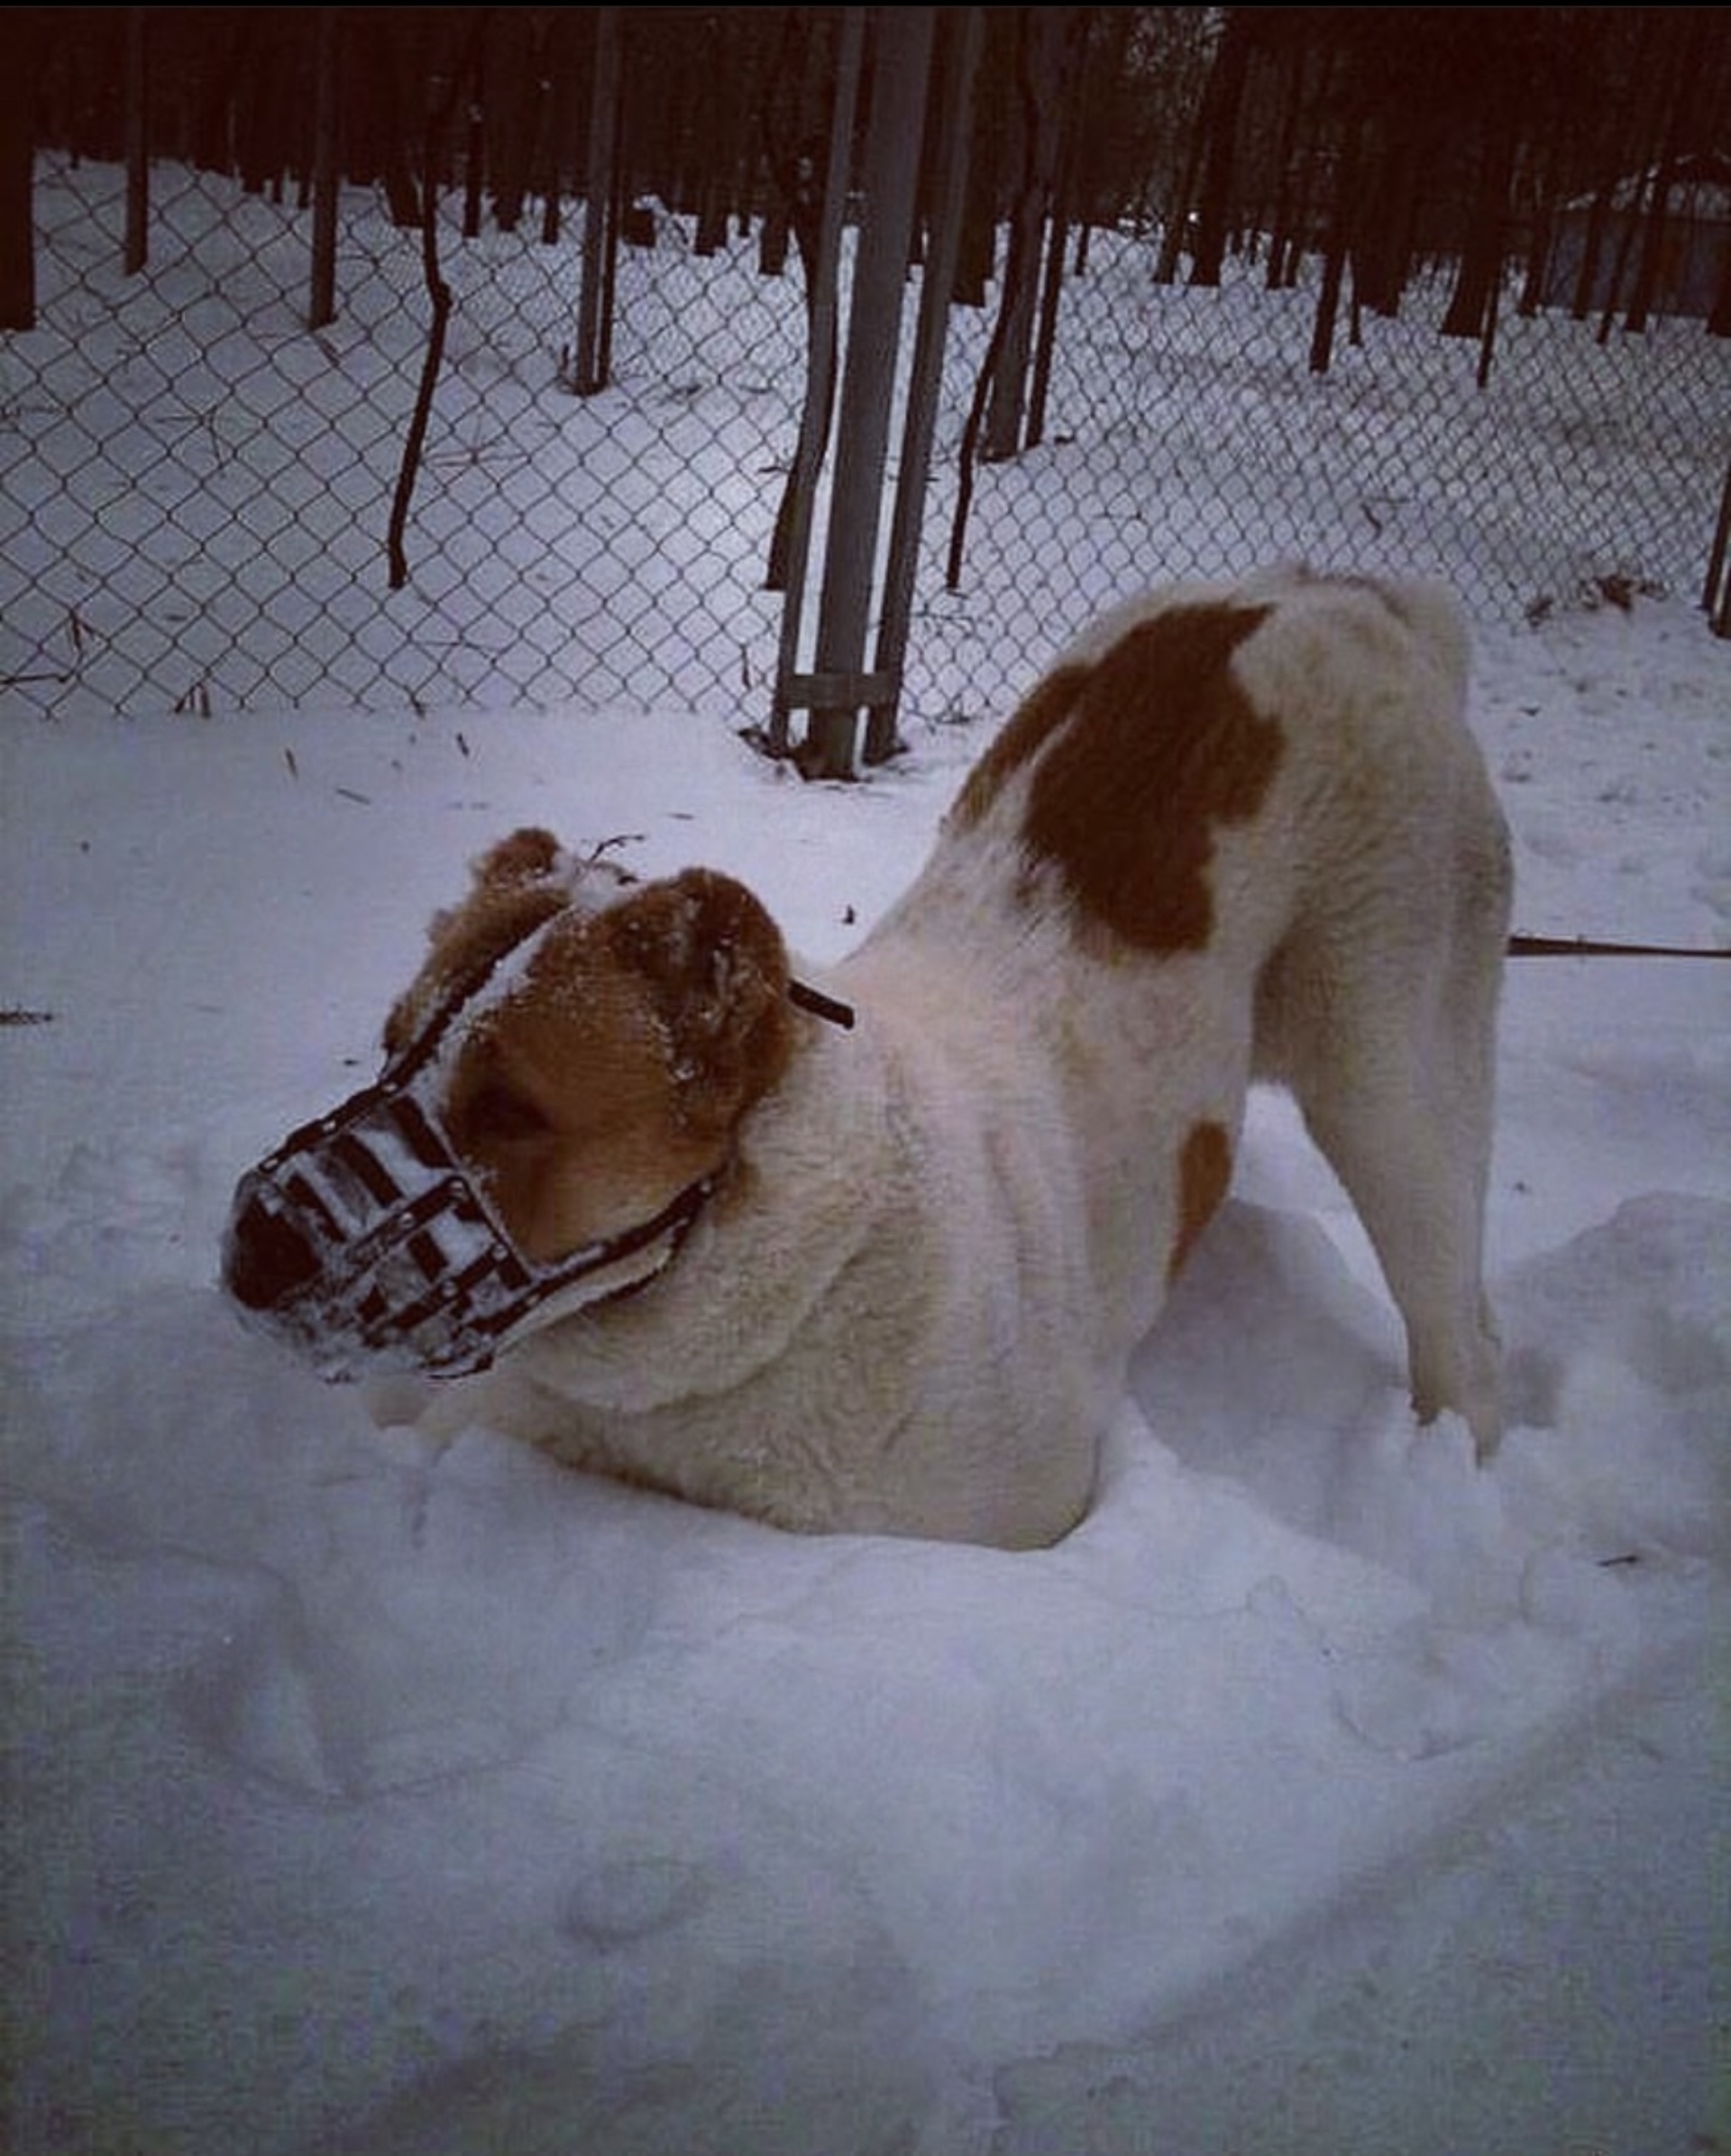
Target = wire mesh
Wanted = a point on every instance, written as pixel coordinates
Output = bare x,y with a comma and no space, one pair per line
195,488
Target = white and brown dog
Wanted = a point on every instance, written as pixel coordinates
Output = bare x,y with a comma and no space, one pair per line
888,1277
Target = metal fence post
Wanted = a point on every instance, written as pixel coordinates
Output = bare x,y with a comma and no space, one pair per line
840,686
965,33
791,550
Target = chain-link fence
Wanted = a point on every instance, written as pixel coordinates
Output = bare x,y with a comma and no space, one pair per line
195,488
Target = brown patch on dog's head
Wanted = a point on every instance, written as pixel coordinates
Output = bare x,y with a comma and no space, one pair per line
1144,753
714,966
1204,1175
611,1073
464,942
515,885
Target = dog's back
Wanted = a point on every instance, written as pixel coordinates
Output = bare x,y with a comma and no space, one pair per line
1236,831
1261,812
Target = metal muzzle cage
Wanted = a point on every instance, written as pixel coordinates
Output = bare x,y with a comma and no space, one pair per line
364,1240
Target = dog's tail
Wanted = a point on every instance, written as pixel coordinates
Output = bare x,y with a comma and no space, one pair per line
1436,618
1427,610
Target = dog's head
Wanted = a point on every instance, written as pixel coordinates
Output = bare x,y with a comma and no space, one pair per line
610,1036
562,1086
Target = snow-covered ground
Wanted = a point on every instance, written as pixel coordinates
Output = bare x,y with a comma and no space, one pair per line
1320,1794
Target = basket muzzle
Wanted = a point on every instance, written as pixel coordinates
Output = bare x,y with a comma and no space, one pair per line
364,1242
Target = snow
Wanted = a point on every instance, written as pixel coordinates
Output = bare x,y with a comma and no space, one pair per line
1320,1793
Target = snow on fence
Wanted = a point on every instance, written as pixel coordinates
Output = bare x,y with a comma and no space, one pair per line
196,487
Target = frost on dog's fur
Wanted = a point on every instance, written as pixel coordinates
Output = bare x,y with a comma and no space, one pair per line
1239,831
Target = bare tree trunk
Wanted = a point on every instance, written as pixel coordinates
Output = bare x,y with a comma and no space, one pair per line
786,100
713,173
1283,238
978,256
463,72
1691,66
1221,107
19,47
1487,239
1068,124
474,154
1340,241
1177,208
1543,237
1379,252
1106,41
378,149
1042,77
1592,249
135,251
321,307
600,221
1719,323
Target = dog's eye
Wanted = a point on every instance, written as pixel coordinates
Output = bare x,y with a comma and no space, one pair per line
499,1116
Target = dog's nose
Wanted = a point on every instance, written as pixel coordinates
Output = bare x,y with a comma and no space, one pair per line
265,1257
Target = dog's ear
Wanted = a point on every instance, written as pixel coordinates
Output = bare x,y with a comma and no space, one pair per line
497,881
511,891
717,971
525,857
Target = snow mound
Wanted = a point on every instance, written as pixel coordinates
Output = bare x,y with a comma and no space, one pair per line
507,1749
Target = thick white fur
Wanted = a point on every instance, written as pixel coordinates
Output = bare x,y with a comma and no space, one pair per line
911,1308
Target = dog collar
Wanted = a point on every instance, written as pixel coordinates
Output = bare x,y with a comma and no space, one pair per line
821,1005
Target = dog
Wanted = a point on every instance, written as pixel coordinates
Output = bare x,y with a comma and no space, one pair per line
873,1254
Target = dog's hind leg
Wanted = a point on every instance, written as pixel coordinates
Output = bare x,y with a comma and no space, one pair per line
1392,1059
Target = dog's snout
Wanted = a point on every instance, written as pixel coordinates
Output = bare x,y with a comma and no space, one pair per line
266,1258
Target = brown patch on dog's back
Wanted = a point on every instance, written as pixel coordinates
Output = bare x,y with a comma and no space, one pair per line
1145,753
1047,706
1164,745
1204,1175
